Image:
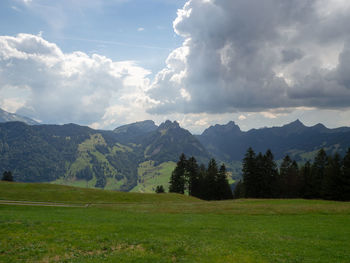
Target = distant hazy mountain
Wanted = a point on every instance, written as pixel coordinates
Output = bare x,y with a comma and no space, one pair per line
228,142
163,143
135,131
7,116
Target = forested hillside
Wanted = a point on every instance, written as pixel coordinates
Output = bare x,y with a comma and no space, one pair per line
325,177
77,155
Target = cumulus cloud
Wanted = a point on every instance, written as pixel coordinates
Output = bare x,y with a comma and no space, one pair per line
39,80
256,56
242,117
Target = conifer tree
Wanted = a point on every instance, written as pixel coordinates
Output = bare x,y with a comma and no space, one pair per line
260,176
239,190
289,182
203,186
294,180
283,174
177,179
306,190
269,173
211,180
194,180
249,173
345,179
265,175
224,189
331,183
7,176
317,173
160,189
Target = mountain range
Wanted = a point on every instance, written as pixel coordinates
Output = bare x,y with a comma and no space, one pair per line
78,155
228,142
141,155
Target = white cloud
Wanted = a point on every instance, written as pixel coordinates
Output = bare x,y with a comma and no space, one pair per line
269,115
257,56
242,117
140,29
11,104
39,80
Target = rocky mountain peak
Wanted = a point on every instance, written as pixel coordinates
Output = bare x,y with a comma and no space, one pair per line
230,127
169,125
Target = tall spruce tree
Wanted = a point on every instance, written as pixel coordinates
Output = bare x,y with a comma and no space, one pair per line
269,174
282,178
211,180
194,179
306,189
289,182
203,187
238,191
265,175
317,173
345,181
223,186
177,179
260,177
249,171
331,183
294,181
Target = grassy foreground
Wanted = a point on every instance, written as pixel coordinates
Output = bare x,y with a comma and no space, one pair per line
167,229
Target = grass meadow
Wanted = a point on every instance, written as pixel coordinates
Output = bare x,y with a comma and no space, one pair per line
168,228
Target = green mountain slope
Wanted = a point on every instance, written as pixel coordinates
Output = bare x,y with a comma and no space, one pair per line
79,156
68,154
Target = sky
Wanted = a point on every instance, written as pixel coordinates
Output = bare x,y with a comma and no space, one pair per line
259,63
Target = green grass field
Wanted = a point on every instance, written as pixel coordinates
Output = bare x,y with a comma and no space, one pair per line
168,228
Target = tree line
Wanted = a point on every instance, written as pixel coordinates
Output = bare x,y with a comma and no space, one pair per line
327,177
205,183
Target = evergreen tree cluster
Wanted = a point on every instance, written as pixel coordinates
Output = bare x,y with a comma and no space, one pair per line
328,177
7,176
160,189
206,183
